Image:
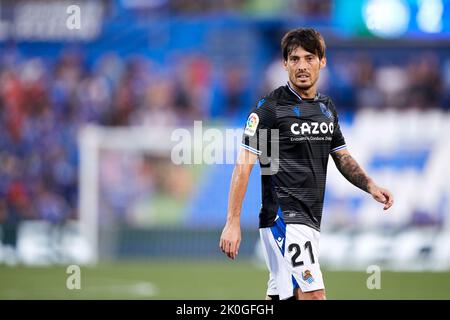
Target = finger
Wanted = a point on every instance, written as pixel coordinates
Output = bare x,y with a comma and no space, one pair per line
380,197
225,246
231,250
389,204
391,201
234,249
228,246
221,244
388,197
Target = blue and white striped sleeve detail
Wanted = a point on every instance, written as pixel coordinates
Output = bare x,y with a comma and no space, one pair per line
338,148
252,150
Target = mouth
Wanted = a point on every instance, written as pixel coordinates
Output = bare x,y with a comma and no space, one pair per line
302,76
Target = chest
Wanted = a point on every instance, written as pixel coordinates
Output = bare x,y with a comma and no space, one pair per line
305,122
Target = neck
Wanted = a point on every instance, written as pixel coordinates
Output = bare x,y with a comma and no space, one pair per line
309,93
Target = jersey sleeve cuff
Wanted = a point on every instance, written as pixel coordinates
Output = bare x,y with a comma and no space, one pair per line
252,150
338,148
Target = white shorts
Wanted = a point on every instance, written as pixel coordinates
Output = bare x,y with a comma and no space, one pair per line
292,257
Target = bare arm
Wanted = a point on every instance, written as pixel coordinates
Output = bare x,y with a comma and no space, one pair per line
356,175
231,234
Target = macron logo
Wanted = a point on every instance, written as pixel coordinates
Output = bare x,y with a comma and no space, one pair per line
279,242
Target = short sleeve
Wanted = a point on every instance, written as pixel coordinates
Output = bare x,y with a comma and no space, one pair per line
256,136
338,140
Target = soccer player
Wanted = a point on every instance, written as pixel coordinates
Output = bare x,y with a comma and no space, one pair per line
307,132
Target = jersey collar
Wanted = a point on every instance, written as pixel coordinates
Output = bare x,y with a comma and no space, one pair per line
298,96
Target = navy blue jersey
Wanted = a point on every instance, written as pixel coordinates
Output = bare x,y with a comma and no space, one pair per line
304,133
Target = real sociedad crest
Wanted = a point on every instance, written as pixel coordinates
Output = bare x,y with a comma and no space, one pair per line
325,110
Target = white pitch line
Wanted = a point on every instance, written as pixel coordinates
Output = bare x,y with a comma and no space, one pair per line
142,289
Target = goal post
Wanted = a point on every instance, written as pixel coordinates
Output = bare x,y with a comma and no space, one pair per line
94,138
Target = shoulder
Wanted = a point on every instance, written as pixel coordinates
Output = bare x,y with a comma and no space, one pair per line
280,93
265,103
264,111
325,99
273,98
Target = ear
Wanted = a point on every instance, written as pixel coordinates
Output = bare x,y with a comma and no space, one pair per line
323,62
285,65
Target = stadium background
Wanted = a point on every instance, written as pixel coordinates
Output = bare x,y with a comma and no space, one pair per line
86,116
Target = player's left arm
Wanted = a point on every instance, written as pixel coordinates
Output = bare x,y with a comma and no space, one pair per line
354,173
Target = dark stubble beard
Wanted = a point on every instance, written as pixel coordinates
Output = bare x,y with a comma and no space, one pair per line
305,87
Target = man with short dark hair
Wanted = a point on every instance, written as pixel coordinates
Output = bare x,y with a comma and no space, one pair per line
302,125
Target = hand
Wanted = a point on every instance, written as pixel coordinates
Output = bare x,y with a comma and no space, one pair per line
382,195
230,240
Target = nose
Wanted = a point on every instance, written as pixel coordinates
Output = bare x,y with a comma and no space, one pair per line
302,64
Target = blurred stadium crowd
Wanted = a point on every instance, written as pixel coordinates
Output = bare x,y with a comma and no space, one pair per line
309,7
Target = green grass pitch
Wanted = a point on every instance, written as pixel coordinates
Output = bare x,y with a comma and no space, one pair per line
205,280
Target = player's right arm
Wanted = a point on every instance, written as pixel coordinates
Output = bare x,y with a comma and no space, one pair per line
255,142
231,234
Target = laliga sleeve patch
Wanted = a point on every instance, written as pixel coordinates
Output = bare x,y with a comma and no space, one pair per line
252,124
